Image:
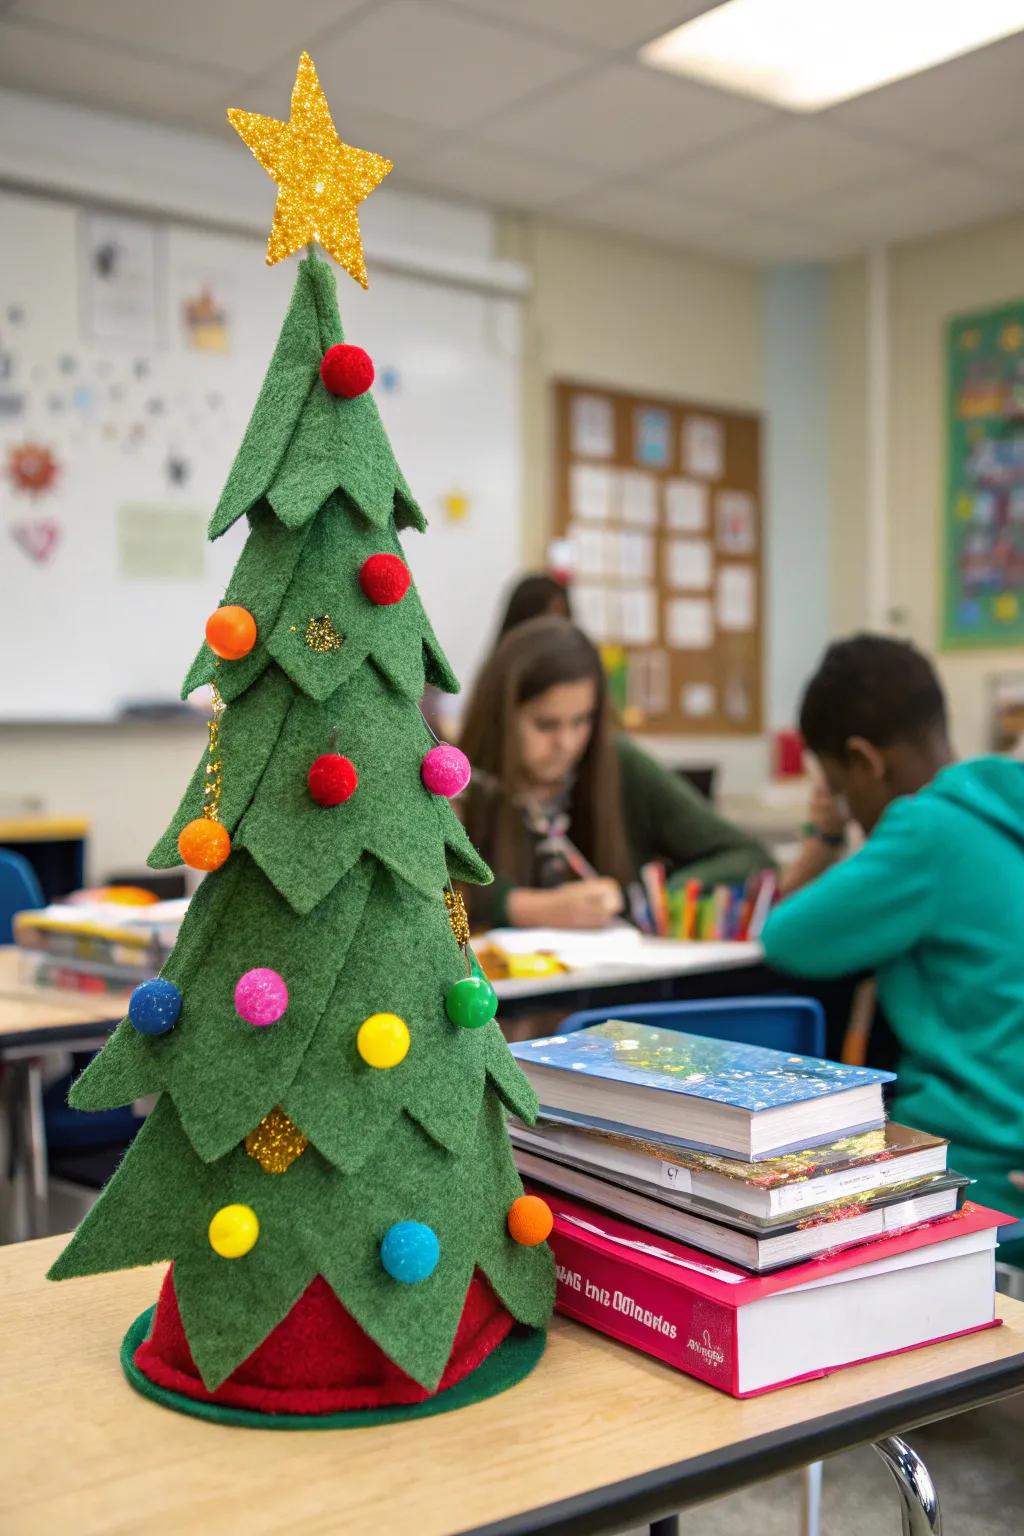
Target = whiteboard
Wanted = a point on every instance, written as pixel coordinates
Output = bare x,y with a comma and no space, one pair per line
142,419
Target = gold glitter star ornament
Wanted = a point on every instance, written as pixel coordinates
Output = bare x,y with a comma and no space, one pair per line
320,180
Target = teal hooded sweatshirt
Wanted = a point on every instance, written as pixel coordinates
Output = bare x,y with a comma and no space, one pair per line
933,904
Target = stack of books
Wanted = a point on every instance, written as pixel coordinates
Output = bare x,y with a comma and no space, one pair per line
96,947
747,1215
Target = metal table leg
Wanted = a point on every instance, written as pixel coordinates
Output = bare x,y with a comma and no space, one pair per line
919,1502
810,1501
35,1138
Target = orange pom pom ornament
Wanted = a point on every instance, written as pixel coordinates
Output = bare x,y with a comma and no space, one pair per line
530,1220
231,632
204,844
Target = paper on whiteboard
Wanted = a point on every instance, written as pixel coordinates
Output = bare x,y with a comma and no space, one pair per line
686,506
119,278
697,700
639,493
688,623
688,564
647,682
737,600
639,622
590,492
735,524
593,427
588,549
590,610
703,447
161,543
636,555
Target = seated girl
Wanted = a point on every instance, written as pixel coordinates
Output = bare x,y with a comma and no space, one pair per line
563,807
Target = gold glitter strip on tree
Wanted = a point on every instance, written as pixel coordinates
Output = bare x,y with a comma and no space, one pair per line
321,635
457,916
214,779
276,1142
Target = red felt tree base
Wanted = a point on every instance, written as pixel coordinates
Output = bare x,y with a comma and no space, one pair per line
318,1359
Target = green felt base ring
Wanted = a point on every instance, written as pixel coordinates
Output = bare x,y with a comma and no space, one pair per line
513,1360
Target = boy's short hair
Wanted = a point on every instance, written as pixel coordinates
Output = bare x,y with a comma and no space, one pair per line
875,687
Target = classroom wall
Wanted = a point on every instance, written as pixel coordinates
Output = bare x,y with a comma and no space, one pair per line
929,281
847,443
797,485
607,309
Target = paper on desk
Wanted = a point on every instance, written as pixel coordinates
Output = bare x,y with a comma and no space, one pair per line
574,947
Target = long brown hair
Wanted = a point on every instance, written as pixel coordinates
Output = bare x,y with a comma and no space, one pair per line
533,657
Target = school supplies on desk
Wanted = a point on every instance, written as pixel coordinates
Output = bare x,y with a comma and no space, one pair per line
855,1167
739,1100
748,1334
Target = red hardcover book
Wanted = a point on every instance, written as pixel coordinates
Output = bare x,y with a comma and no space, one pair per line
748,1334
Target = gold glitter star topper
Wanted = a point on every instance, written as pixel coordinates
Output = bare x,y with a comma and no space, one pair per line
320,180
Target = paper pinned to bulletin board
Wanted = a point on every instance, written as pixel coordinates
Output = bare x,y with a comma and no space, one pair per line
664,539
984,522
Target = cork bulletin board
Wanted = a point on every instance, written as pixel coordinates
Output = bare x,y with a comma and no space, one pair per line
660,504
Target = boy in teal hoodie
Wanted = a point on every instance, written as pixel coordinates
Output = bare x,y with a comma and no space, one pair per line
933,904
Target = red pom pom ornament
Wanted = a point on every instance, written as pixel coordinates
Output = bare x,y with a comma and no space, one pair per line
346,370
332,779
384,579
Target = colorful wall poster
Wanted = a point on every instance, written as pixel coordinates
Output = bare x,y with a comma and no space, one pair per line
983,602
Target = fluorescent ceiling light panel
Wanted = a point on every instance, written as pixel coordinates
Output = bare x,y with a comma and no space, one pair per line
809,54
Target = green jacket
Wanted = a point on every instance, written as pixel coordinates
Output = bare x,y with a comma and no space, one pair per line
666,819
934,905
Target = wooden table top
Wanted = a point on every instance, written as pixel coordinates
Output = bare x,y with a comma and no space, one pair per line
42,829
618,1436
30,1014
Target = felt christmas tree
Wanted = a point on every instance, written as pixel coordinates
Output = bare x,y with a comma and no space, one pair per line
327,1165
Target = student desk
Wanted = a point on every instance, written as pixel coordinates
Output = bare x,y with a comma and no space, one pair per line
36,1022
663,968
598,1438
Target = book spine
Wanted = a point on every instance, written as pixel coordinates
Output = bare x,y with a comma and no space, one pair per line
645,1311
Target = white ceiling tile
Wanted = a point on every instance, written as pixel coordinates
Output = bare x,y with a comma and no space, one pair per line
784,164
36,59
763,240
609,24
626,117
648,212
975,99
428,64
245,36
502,177
916,205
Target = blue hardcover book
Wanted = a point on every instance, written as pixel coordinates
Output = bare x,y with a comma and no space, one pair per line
741,1101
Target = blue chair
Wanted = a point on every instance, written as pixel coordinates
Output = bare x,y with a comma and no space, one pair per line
793,1024
20,891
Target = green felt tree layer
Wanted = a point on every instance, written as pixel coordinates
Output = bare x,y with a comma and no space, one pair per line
224,1075
346,903
305,848
321,565
302,443
316,1220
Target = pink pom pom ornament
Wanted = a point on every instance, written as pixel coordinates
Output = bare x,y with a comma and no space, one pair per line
445,770
261,997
